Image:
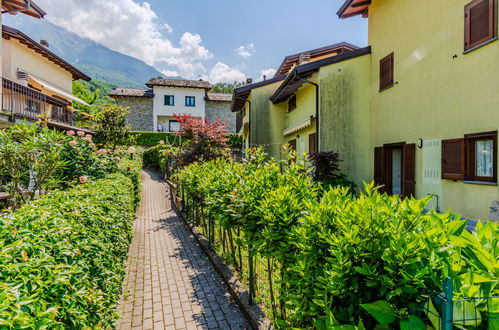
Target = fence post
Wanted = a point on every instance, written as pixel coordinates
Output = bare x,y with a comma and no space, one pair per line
251,274
448,305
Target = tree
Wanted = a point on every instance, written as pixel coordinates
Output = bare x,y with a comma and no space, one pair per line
225,87
30,161
204,141
111,129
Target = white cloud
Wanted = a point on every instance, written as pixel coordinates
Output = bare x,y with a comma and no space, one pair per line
246,51
268,73
221,72
130,28
170,73
168,27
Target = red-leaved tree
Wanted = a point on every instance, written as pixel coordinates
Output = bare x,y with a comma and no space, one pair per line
204,141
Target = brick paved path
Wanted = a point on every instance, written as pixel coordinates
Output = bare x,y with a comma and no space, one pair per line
170,283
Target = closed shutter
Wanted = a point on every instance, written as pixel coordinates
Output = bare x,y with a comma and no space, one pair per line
480,22
453,159
409,170
292,145
379,167
312,147
239,122
386,72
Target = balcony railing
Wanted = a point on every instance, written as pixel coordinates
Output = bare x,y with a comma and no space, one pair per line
22,102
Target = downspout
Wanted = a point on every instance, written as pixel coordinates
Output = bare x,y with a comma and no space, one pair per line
317,127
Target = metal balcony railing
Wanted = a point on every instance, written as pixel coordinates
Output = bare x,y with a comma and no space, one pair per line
22,102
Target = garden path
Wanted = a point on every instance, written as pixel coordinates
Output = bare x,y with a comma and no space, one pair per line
170,283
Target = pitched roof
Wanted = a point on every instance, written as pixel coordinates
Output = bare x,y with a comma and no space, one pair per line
241,94
131,92
179,83
294,80
290,60
353,8
8,32
22,6
218,97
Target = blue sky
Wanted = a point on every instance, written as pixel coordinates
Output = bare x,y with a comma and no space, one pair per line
220,40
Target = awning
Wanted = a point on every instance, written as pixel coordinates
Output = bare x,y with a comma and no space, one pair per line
55,89
298,126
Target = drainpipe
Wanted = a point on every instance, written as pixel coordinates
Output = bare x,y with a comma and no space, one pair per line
317,127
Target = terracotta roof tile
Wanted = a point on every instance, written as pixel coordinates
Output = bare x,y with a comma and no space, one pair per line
131,92
179,83
219,97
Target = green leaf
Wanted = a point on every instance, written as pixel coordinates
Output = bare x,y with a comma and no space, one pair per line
412,323
382,311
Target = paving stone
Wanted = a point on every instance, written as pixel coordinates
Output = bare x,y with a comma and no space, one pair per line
170,283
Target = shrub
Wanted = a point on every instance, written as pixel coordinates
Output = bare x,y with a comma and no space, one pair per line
111,129
30,158
338,258
62,257
154,157
326,170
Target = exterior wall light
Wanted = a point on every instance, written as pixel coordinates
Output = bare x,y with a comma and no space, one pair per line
420,143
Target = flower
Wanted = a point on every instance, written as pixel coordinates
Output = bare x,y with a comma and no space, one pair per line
88,138
80,133
101,152
128,168
73,142
131,150
161,142
83,179
70,132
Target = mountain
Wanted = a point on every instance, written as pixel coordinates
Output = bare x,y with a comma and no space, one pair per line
95,60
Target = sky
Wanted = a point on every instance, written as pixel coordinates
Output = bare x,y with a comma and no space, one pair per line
218,40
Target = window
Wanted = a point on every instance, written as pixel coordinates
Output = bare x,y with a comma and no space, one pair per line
169,100
190,101
312,145
33,106
174,126
386,72
472,158
292,103
480,23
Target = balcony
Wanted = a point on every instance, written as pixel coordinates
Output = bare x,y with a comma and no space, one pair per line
24,103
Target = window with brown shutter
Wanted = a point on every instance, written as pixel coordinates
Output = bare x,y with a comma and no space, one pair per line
409,170
386,72
481,156
453,159
292,103
480,23
379,168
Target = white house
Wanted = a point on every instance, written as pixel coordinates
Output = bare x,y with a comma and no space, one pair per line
176,96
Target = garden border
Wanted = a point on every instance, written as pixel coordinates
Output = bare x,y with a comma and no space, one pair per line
253,313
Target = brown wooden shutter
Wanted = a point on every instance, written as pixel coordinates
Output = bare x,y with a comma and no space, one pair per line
409,170
312,147
292,103
386,72
480,22
239,122
379,168
453,159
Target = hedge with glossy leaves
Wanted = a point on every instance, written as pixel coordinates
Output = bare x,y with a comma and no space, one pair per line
62,257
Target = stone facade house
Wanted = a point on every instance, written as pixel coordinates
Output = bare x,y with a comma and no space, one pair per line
153,109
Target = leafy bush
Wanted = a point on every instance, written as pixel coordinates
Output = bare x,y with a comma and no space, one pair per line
111,128
340,259
154,157
326,170
62,257
30,158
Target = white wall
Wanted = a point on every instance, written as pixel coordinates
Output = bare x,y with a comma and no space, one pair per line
160,109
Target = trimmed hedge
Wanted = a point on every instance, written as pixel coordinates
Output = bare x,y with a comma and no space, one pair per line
62,257
150,139
153,157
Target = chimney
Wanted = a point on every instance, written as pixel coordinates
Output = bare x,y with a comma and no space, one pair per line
249,81
264,77
44,43
304,58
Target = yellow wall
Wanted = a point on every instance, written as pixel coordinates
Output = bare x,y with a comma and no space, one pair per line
15,55
440,92
345,115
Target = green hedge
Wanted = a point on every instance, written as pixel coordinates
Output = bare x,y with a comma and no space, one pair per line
62,257
150,139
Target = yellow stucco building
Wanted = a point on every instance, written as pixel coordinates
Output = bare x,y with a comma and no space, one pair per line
416,111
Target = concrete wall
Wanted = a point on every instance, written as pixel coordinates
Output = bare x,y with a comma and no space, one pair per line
140,116
221,110
440,92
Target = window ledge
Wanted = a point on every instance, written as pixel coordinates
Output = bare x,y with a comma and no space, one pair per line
387,87
480,45
485,183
